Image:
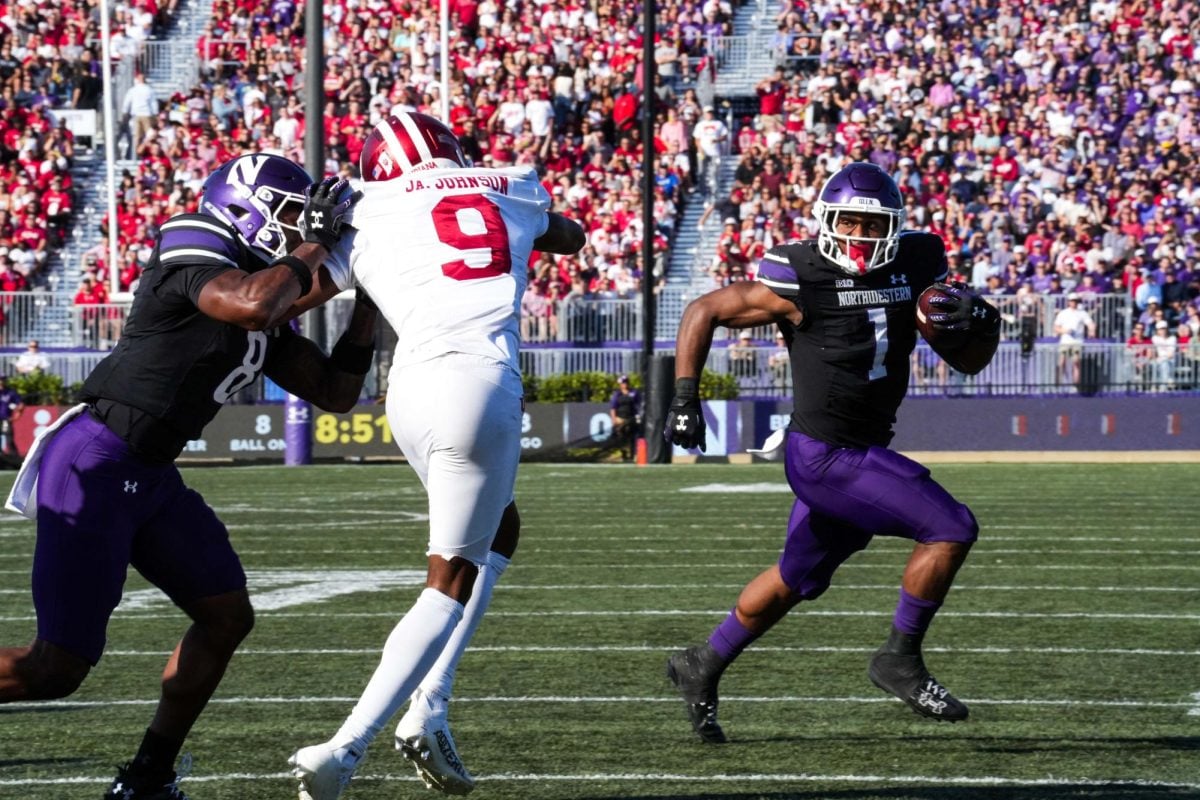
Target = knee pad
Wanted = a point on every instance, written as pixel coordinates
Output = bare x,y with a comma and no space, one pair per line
957,526
807,563
804,586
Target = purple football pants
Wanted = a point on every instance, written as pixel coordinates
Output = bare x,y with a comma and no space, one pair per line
101,509
844,496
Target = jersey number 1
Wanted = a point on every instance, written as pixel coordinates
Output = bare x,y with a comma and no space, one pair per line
878,317
494,236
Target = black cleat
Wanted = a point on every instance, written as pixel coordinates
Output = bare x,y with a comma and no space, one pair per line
695,673
906,677
128,785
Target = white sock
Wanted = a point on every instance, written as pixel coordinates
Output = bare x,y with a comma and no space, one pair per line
410,651
438,684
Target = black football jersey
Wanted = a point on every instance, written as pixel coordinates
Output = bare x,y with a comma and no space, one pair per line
850,355
174,366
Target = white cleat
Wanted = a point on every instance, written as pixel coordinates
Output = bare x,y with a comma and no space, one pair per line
324,770
431,750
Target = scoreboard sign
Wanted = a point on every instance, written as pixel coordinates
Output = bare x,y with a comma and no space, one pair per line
255,433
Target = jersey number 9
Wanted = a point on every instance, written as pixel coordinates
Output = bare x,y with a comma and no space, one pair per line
477,212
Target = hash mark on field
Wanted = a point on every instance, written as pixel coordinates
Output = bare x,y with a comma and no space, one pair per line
737,488
278,589
1194,711
669,777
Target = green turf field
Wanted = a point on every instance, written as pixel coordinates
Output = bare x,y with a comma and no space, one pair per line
1073,633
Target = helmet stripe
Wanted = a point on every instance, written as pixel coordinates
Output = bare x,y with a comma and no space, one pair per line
424,153
394,146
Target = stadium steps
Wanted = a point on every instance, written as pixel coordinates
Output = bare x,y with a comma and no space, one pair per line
693,246
171,68
746,66
52,326
174,65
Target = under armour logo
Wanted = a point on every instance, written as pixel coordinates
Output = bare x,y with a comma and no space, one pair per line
899,278
131,487
681,424
979,311
315,220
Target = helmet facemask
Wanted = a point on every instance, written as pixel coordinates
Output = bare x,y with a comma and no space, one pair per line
251,194
858,254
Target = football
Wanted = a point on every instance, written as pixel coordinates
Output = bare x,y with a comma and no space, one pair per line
935,337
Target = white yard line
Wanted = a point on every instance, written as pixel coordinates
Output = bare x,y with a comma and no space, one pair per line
768,553
668,777
620,700
664,649
841,587
958,587
648,612
758,565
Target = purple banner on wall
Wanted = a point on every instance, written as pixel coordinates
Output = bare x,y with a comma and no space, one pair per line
1015,424
1068,423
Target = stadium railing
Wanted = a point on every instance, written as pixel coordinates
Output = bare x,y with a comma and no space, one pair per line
1105,368
596,320
1023,366
1044,369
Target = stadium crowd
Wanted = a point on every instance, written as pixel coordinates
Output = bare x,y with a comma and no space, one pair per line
1051,146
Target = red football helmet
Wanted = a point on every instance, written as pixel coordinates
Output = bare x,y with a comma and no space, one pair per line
406,142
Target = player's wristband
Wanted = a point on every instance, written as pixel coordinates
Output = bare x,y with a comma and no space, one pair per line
687,388
355,359
301,270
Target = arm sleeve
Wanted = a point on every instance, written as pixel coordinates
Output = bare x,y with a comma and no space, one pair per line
526,186
339,263
192,250
188,281
776,272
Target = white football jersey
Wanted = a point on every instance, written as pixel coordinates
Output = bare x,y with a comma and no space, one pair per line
444,253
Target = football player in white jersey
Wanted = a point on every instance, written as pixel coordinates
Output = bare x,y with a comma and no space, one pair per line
443,249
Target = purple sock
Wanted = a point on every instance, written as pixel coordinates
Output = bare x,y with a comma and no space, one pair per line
730,638
913,615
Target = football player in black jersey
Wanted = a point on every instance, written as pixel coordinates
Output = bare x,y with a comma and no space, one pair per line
204,323
846,306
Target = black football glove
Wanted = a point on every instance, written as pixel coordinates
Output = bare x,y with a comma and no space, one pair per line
326,206
962,310
685,421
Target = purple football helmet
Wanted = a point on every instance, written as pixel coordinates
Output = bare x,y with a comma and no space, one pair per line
248,192
862,188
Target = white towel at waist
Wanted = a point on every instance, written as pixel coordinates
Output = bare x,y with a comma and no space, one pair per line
23,496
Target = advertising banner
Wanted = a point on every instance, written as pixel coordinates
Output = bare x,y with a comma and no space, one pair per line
570,431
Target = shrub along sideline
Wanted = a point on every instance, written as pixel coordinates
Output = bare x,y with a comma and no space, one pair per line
48,389
598,387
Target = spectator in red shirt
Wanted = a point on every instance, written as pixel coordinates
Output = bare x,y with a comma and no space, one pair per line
771,94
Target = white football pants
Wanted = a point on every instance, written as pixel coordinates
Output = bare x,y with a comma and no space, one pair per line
457,418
